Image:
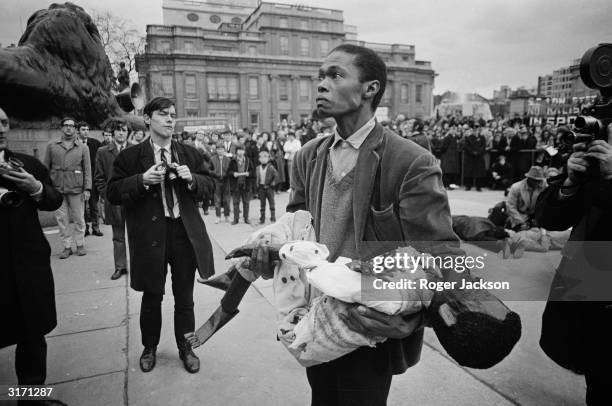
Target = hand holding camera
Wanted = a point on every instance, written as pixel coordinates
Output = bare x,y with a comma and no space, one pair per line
24,181
153,175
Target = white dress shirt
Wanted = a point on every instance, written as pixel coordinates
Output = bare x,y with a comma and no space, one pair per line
157,154
344,153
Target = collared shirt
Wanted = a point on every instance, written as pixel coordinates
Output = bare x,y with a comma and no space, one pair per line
69,166
120,147
262,174
344,153
168,153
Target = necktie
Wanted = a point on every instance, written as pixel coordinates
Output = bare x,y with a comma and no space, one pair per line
220,166
168,188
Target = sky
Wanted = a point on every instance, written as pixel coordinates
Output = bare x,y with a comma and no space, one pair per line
474,45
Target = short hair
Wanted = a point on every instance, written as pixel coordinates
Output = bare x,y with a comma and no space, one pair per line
66,119
264,151
82,124
239,146
116,124
371,67
122,64
220,145
157,103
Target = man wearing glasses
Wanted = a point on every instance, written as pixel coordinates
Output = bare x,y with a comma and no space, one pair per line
70,170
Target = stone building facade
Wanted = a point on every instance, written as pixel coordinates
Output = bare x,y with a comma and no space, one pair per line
265,69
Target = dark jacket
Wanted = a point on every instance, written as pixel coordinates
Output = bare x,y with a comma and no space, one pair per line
233,167
474,149
93,145
413,207
219,173
271,176
577,319
27,295
449,155
144,213
104,170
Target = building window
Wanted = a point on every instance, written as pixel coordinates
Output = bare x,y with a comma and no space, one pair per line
304,24
164,46
283,22
192,114
215,19
386,97
284,45
324,26
222,87
283,89
252,50
168,84
193,17
404,94
191,91
419,94
253,88
324,47
254,120
304,89
305,47
189,47
236,20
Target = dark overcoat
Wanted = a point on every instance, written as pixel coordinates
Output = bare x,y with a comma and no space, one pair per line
474,149
449,159
413,207
27,294
144,213
577,320
113,214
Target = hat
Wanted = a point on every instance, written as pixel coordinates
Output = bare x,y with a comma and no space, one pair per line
550,172
536,173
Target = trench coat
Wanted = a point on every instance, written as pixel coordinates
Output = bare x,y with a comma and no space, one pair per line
474,149
113,214
409,204
144,213
449,158
27,294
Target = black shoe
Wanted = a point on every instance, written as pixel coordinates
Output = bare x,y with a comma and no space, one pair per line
468,188
222,281
478,189
234,222
87,231
117,274
147,359
190,360
246,221
273,219
96,231
262,221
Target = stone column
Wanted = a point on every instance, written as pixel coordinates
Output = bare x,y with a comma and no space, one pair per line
243,94
264,114
273,101
295,99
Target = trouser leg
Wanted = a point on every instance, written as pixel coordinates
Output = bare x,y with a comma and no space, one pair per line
270,196
236,203
218,197
262,202
93,209
75,208
31,360
119,250
226,199
63,222
150,318
246,201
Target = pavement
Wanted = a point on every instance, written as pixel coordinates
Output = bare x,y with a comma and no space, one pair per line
94,351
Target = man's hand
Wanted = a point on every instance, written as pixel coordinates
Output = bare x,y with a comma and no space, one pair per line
373,323
261,262
24,181
86,195
153,176
577,165
184,173
602,152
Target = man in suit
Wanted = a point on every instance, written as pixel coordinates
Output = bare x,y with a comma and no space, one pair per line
113,214
220,162
228,145
159,182
91,208
27,296
378,188
240,171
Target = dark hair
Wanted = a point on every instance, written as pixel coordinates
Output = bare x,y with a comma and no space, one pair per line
122,64
371,66
82,124
239,146
66,119
157,103
115,124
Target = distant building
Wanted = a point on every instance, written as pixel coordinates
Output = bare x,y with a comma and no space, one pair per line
264,69
564,83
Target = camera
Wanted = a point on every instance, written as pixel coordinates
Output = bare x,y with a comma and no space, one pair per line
13,164
170,170
10,198
596,73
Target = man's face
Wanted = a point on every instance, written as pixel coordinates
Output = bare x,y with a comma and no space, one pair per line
264,157
162,122
340,91
199,136
120,134
68,128
138,136
108,137
83,132
4,127
227,137
533,183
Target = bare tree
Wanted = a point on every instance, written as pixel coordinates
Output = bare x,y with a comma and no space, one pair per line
122,42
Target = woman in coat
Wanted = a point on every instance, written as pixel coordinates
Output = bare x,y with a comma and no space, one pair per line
449,159
474,165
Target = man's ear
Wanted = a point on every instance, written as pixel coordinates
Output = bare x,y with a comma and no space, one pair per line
371,89
146,119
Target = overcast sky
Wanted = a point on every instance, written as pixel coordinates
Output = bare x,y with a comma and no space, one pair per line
474,45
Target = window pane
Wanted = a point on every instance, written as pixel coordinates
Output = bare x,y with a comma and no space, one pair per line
283,89
283,22
252,50
254,88
222,87
167,85
284,46
188,47
305,47
212,87
233,88
304,89
324,47
324,26
419,94
404,94
304,24
190,86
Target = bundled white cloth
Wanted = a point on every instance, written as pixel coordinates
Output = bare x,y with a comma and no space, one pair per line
311,292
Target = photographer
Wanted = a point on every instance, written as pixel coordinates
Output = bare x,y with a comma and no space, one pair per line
27,296
576,330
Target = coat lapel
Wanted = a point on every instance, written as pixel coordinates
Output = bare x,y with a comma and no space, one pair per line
318,167
365,173
146,157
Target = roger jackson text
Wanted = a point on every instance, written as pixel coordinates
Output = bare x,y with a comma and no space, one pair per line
380,284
